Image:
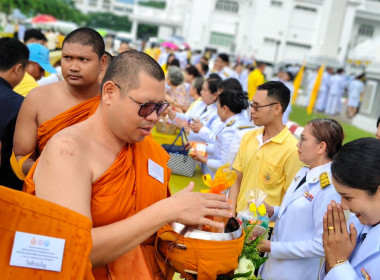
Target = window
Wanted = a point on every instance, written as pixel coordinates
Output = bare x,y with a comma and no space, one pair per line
270,40
93,3
299,45
304,8
221,39
276,3
227,6
366,30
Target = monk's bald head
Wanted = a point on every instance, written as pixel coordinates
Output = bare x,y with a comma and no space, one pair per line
126,67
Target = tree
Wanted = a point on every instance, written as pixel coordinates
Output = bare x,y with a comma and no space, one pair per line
109,21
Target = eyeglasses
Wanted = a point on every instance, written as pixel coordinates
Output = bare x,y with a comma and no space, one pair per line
147,108
256,108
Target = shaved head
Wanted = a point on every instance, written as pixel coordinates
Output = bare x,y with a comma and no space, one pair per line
126,67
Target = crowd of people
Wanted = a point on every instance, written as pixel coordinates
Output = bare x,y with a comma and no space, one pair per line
84,142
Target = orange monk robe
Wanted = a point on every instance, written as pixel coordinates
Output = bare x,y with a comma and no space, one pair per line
68,118
25,213
123,190
47,129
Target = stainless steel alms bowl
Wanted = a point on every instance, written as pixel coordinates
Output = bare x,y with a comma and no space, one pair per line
233,230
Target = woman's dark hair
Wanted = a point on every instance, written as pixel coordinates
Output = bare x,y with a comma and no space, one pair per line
197,84
213,83
192,70
170,55
230,83
236,100
357,165
330,132
204,67
174,62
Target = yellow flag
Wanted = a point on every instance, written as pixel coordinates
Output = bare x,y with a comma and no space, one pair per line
297,82
315,90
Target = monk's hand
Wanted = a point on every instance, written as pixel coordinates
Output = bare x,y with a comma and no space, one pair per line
196,126
338,244
264,246
192,208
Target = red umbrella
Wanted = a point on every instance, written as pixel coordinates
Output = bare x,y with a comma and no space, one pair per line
43,18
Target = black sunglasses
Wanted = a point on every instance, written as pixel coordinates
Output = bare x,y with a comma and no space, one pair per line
147,108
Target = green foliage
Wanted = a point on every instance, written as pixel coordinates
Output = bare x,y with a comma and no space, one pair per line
109,21
154,4
250,251
61,9
144,31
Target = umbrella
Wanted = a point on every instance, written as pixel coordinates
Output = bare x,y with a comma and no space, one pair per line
43,18
18,15
186,46
169,45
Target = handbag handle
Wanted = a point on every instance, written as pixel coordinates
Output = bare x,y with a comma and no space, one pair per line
181,134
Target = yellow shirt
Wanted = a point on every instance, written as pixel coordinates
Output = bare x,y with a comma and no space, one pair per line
26,85
270,166
255,79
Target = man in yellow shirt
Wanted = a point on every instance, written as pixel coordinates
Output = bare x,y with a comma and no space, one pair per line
268,156
255,79
35,70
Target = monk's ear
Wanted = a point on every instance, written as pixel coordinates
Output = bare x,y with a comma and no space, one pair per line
108,92
103,63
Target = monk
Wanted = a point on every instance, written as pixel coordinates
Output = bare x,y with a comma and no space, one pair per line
108,170
48,109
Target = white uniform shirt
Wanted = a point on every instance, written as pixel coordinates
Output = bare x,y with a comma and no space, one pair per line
223,139
337,84
296,243
364,262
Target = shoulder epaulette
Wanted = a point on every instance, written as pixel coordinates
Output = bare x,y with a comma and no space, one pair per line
245,127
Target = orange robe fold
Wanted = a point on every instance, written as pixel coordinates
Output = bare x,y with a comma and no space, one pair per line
47,129
123,190
70,117
25,213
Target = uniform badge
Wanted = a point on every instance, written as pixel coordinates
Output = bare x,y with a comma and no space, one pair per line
267,177
365,274
324,180
230,123
296,178
308,196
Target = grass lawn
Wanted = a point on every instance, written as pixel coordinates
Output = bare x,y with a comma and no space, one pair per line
300,116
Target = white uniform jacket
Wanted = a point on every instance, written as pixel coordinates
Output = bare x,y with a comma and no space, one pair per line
223,140
364,262
296,243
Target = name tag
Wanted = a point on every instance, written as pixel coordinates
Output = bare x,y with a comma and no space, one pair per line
156,171
37,251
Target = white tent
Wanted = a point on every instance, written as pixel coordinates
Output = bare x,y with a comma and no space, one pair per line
365,52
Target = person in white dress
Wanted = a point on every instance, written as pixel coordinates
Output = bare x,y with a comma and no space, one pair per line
352,249
355,89
295,249
230,104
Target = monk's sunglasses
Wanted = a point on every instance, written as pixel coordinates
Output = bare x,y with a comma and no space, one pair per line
147,108
256,108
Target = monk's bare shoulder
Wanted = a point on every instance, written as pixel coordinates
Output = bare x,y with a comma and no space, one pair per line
46,92
68,142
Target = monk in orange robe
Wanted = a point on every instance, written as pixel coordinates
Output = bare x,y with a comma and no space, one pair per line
106,169
49,109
